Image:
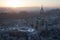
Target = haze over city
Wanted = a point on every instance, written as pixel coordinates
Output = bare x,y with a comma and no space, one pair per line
29,3
29,19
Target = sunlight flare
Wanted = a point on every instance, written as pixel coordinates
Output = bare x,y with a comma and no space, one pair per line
14,3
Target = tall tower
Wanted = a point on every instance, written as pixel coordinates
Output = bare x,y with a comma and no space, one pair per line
41,10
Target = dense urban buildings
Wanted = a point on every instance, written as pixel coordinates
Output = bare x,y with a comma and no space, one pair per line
45,22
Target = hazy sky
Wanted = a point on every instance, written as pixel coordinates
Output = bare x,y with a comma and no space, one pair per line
29,3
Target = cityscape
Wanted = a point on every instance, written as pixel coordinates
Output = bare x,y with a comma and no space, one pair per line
29,22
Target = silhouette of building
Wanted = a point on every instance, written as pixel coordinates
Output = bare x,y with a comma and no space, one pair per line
42,9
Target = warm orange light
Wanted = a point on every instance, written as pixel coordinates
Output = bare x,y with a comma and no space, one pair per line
14,3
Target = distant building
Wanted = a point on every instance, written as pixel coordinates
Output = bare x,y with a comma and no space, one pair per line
42,9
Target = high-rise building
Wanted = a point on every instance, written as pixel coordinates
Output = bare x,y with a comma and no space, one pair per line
42,9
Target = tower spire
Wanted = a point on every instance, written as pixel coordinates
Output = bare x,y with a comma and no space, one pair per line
41,10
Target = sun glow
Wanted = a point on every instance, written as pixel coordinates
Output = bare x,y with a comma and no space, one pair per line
14,3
